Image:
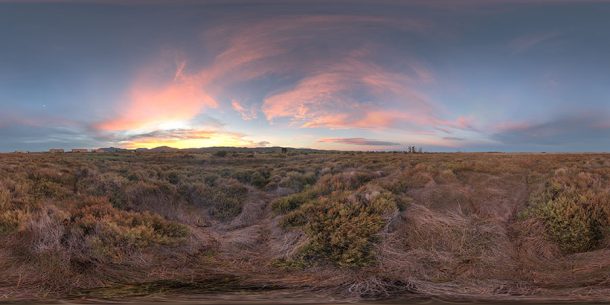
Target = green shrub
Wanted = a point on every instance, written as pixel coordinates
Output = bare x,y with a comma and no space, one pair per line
174,177
91,234
11,219
109,185
252,177
294,218
226,201
220,153
48,189
344,181
298,181
292,202
150,196
325,186
576,218
343,229
223,201
290,264
5,197
210,179
115,228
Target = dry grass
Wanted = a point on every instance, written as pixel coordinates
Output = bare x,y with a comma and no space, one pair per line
369,224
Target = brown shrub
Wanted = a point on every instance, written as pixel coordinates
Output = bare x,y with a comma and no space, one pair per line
93,235
223,201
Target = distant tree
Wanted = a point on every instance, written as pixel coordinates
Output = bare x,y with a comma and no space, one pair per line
220,153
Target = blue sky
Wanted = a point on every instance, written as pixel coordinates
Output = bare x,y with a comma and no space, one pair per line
467,75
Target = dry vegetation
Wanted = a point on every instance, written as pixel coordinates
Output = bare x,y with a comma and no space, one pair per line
366,224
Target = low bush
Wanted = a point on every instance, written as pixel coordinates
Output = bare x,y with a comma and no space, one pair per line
575,213
343,229
5,197
257,178
325,186
92,235
344,181
96,216
292,202
298,181
223,201
149,195
95,232
110,185
11,219
220,153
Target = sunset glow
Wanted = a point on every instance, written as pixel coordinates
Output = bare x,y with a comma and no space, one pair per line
449,76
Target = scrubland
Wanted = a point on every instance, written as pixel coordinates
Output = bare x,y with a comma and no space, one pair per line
485,225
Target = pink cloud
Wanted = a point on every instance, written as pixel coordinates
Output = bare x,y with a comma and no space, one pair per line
366,119
188,138
246,114
267,47
358,94
250,50
349,94
358,141
511,126
344,88
150,103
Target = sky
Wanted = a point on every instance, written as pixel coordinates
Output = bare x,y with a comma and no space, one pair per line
446,75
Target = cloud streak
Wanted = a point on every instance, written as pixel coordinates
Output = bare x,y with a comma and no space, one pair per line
585,128
340,85
526,42
187,138
246,114
358,141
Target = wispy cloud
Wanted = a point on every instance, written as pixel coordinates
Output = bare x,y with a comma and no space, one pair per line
246,114
356,93
563,130
453,138
528,41
256,49
358,141
187,138
338,82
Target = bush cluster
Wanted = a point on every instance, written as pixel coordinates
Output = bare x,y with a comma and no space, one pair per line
343,228
575,212
223,201
327,184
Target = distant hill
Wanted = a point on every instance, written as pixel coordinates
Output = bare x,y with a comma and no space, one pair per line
163,149
114,149
274,149
167,149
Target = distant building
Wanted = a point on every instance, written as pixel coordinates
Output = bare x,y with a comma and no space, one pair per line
98,150
80,150
22,152
56,150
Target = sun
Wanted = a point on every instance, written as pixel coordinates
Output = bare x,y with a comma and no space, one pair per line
172,125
